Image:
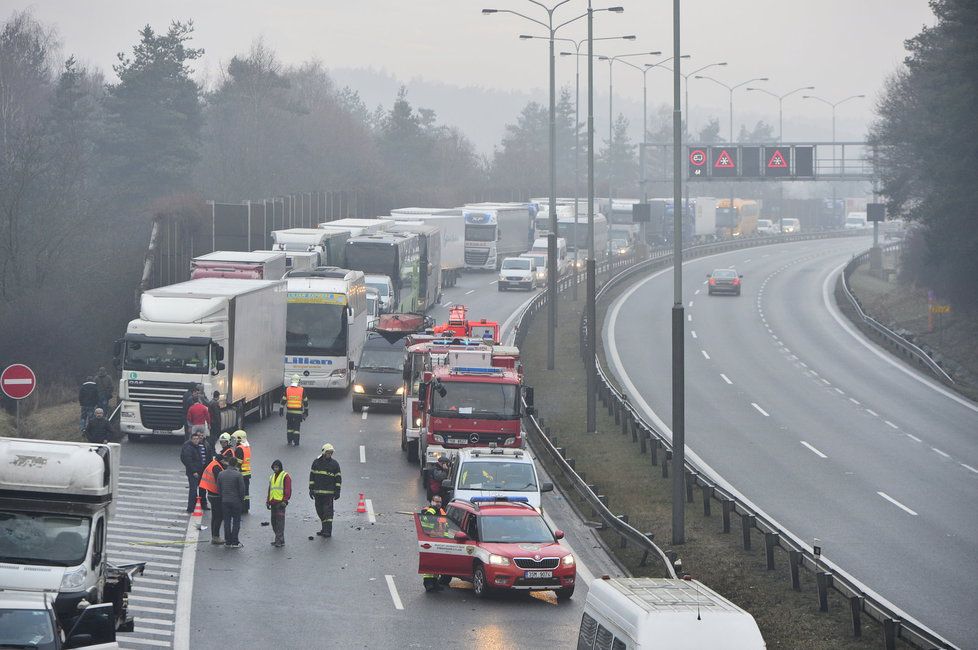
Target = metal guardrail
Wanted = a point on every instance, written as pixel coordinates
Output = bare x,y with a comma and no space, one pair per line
888,337
862,601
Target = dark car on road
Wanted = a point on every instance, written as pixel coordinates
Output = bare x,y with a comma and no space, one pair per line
724,281
379,382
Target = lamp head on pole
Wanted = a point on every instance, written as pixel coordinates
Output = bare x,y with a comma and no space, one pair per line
615,10
629,37
524,37
489,11
567,53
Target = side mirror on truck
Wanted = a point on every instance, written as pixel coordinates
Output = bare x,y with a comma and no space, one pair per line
528,400
219,353
117,354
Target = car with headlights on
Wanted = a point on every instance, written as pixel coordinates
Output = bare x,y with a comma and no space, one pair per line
724,281
379,383
497,543
541,263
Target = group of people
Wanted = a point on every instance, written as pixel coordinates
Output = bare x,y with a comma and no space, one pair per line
202,415
94,396
220,479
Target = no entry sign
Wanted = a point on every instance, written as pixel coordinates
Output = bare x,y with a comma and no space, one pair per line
17,381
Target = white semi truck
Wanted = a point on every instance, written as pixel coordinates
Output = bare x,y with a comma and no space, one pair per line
56,499
357,227
227,335
329,245
494,231
452,226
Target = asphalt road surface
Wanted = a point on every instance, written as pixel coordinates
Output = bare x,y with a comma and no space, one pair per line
361,587
815,425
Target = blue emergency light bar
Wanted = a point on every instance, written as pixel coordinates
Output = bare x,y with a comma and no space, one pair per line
500,498
478,371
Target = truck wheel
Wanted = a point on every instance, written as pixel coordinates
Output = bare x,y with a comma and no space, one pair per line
412,452
357,408
480,584
564,594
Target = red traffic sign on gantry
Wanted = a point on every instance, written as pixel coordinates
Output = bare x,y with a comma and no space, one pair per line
17,381
697,157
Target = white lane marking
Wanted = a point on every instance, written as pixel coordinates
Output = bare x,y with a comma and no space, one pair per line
829,303
115,537
748,260
138,641
896,503
393,589
151,599
689,318
181,641
470,291
371,517
363,416
914,438
890,424
150,630
759,409
726,379
692,333
696,292
969,468
873,413
494,282
839,391
705,355
153,610
154,621
690,303
448,304
813,450
854,401
774,336
512,318
942,453
119,515
803,364
363,454
156,581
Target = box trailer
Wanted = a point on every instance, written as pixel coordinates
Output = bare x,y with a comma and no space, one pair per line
452,226
257,265
429,241
494,231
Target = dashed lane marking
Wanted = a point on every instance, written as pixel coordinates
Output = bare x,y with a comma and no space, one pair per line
969,468
692,333
873,413
725,378
363,454
393,589
470,291
939,452
371,516
813,450
897,503
759,409
890,424
705,355
914,438
363,416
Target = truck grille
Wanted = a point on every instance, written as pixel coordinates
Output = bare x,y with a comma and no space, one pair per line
160,403
530,563
476,257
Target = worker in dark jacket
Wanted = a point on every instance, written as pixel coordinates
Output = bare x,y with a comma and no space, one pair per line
231,485
192,461
214,407
100,430
104,384
87,400
325,482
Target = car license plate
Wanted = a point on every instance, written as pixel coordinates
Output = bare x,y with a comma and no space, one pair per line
376,400
160,432
539,574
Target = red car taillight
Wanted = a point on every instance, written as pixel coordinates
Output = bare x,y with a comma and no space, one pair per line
736,281
713,282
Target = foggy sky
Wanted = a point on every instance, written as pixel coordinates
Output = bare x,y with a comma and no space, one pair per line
842,47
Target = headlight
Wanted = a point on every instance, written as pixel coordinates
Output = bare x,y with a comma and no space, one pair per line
498,560
509,441
338,373
438,438
417,422
399,391
357,388
568,560
74,579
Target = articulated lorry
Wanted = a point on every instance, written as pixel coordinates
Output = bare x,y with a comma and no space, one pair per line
494,231
328,244
429,267
452,239
225,334
357,227
56,500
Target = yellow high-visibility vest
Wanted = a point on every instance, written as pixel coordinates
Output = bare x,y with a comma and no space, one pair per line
276,486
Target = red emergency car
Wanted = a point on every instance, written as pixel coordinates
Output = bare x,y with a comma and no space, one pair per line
495,543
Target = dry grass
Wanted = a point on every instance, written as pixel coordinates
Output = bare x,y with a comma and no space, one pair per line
788,619
58,422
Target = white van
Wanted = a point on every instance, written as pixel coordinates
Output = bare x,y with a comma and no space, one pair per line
540,247
639,613
480,472
856,221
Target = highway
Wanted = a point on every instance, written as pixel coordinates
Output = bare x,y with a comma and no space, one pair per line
360,588
817,427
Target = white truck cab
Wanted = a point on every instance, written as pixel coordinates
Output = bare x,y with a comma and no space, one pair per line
495,472
641,613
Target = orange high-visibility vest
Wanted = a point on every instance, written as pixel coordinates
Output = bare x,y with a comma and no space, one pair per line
293,398
246,461
207,478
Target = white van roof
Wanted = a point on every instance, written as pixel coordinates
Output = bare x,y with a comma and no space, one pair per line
679,614
51,470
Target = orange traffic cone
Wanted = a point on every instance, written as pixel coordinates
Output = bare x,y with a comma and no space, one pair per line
361,505
197,511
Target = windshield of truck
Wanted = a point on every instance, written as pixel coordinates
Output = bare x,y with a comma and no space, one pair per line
150,356
46,539
566,230
315,329
372,257
497,476
26,628
383,359
480,233
542,224
513,529
382,288
516,264
474,399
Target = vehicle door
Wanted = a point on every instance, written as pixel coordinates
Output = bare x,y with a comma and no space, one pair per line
438,552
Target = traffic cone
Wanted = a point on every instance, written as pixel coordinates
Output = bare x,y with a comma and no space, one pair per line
197,511
361,505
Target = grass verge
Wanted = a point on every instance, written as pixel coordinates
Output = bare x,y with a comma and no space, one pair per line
635,487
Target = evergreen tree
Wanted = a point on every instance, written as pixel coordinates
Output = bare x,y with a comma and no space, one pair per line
619,157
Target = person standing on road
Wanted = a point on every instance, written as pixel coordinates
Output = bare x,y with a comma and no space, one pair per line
435,525
230,484
295,405
279,493
189,397
198,417
226,449
439,473
100,430
87,400
104,384
242,451
214,407
325,482
208,483
192,462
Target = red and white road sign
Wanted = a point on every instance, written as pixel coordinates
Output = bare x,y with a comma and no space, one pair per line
17,381
777,161
697,157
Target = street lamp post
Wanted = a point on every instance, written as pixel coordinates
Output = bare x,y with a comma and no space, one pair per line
686,85
780,99
678,333
577,131
833,105
552,239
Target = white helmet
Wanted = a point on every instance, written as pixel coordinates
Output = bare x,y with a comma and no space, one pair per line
295,380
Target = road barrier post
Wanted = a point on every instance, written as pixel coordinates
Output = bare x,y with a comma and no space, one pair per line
728,506
890,626
746,521
654,450
770,542
794,564
690,483
665,464
855,610
643,441
822,581
707,497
